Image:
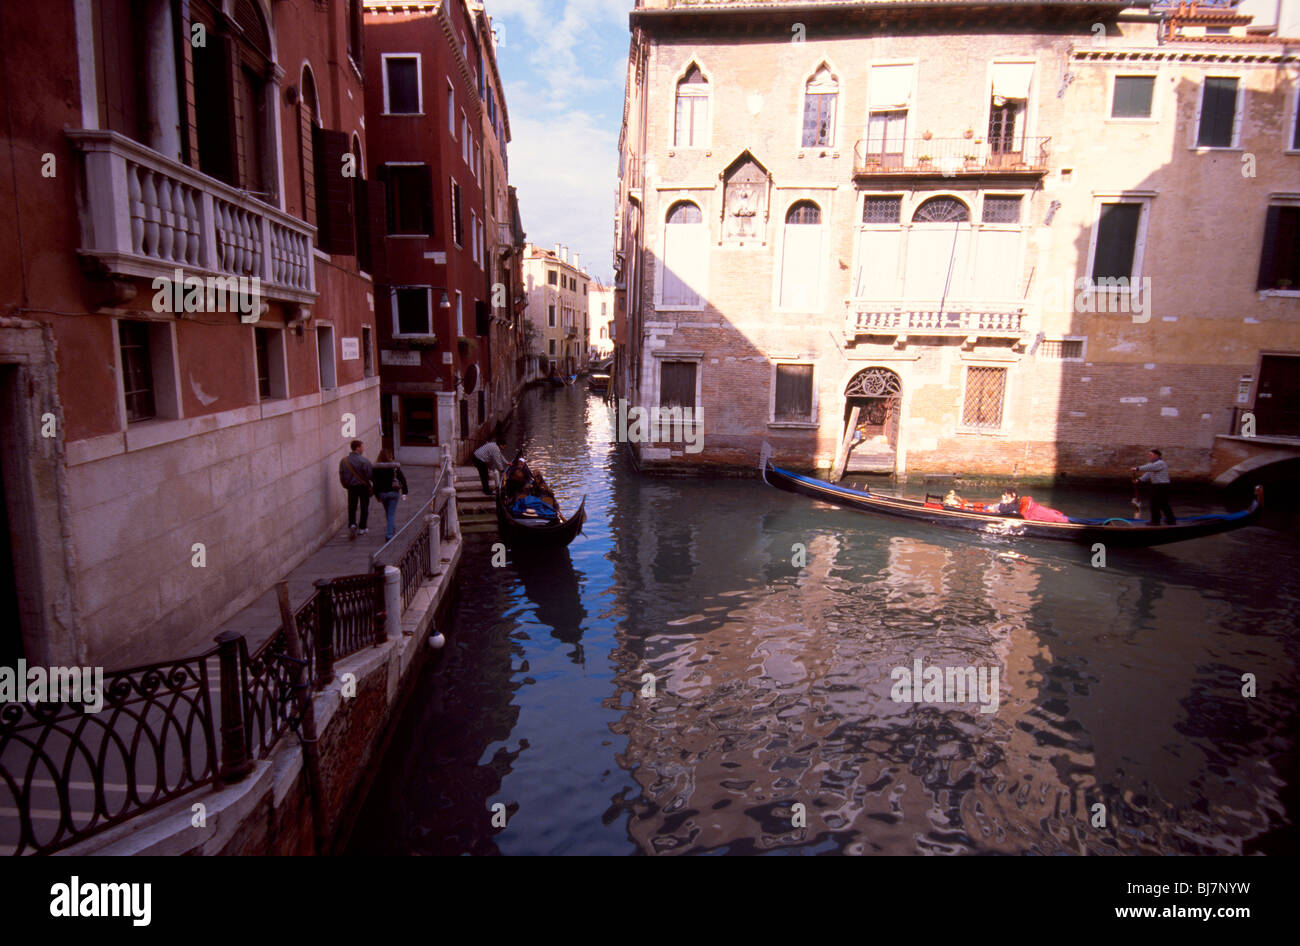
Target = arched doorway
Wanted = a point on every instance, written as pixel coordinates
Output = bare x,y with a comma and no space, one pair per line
872,405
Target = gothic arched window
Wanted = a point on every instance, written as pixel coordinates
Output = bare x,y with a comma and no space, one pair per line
691,129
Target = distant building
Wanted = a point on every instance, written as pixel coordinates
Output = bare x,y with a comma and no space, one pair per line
557,294
601,307
983,249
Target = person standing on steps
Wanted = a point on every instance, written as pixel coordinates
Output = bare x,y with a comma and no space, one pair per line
490,457
355,475
387,475
1157,474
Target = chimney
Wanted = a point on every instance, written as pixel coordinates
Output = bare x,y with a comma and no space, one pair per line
557,251
564,254
575,262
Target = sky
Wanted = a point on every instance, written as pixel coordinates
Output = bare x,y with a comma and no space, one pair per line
563,66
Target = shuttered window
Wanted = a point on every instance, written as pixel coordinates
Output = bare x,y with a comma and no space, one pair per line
1133,96
801,257
985,391
402,84
457,224
685,253
794,393
677,384
1279,265
409,198
1218,112
1117,231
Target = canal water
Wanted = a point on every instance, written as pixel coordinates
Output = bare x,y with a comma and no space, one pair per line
687,680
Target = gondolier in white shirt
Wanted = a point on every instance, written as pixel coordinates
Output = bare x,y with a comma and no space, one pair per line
489,457
1157,474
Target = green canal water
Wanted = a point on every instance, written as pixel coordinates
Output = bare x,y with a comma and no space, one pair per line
685,680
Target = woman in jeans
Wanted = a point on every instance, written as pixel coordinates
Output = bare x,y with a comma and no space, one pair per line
386,477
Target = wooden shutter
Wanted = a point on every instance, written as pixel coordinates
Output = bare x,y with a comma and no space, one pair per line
333,193
376,211
677,384
1117,230
1268,256
426,204
794,392
1218,112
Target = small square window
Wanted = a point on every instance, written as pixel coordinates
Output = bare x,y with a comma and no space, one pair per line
1001,210
413,310
1133,95
882,210
985,392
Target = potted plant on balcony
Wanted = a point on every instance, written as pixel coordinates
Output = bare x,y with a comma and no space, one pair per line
466,345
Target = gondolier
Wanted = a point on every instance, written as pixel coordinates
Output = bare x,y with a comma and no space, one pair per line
1157,474
489,457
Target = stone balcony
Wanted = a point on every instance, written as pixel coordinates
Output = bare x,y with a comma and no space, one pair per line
950,157
145,215
900,319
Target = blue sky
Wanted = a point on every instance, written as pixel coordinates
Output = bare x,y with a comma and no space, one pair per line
562,63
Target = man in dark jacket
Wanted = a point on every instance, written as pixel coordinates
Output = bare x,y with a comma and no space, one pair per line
355,474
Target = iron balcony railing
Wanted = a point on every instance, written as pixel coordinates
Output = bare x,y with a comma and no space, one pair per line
949,157
146,215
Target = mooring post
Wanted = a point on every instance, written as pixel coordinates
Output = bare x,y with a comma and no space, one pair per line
453,521
434,525
391,596
236,762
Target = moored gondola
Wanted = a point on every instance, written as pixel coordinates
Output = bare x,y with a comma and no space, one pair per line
1112,532
520,532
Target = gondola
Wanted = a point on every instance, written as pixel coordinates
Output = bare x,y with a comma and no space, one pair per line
527,532
598,381
1112,532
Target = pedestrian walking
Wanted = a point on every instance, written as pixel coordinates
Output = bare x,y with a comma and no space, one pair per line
490,457
355,474
1156,473
387,477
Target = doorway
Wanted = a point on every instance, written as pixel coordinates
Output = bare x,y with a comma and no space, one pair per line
1277,399
872,409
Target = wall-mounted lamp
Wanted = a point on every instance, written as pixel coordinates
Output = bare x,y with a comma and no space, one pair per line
445,303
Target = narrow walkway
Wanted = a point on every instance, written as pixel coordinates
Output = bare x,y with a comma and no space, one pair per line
340,556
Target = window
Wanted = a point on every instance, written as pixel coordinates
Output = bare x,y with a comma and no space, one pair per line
1061,349
550,277
413,310
604,332
1001,210
307,124
677,384
137,370
801,258
691,126
466,139
457,227
473,234
460,315
882,209
261,345
367,352
890,95
819,109
418,422
793,397
401,84
937,258
1133,95
550,318
1295,121
1217,123
1115,254
602,310
355,31
942,210
685,254
1008,108
985,390
325,356
551,345
1279,264
409,189
451,110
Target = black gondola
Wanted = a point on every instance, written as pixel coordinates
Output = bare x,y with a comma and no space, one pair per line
527,532
1112,532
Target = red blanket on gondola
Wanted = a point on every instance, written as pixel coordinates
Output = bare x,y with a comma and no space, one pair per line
1040,513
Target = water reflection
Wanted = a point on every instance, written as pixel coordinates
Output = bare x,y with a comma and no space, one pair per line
1119,686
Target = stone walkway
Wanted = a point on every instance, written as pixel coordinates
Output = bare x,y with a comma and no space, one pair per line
339,556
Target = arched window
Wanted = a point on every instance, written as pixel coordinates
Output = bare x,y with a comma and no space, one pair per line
801,258
803,212
253,45
691,128
308,122
942,210
686,248
820,95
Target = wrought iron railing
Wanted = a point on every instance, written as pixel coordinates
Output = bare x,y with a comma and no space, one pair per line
409,548
66,772
356,612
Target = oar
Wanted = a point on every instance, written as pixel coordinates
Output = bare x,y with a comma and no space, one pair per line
1137,503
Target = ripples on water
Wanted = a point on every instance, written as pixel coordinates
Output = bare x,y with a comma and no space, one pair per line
1118,685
